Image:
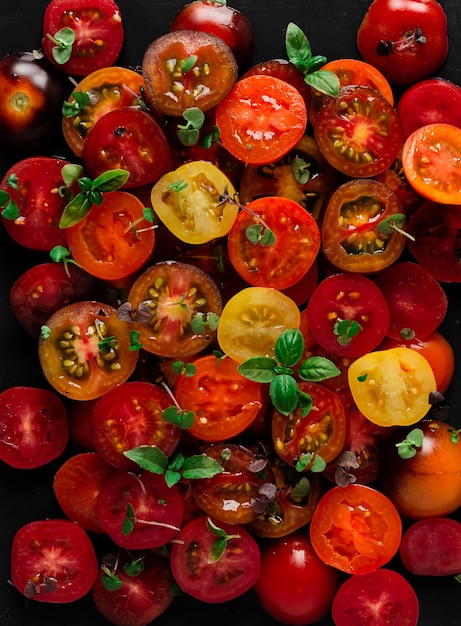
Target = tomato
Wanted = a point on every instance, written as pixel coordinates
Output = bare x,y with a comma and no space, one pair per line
77,484
302,290
437,350
87,351
33,184
295,586
352,239
417,302
113,240
188,200
203,576
359,132
355,528
391,387
429,483
279,178
347,314
109,88
261,119
405,40
31,96
129,416
394,177
429,159
142,597
432,547
33,426
98,30
253,319
224,402
53,560
281,263
156,515
174,294
221,20
379,597
435,228
188,68
429,101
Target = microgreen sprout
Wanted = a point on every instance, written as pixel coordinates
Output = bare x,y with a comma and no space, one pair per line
310,461
9,208
407,334
183,369
414,439
346,330
131,519
174,414
388,47
394,223
81,99
134,340
148,215
259,233
64,39
346,463
61,254
188,133
189,63
454,434
300,169
200,322
218,546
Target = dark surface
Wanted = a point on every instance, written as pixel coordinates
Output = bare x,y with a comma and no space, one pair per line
331,27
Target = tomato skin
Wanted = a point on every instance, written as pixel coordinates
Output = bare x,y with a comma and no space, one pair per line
295,586
355,528
54,548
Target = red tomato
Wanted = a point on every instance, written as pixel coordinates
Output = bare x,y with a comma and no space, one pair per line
33,427
201,573
355,529
381,597
98,30
406,41
359,132
348,315
417,303
188,68
302,290
295,586
432,547
128,416
113,240
394,177
279,264
53,560
261,119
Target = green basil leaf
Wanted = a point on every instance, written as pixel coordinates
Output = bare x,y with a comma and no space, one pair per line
200,466
259,368
217,550
110,180
283,392
149,458
324,81
317,368
70,173
172,477
75,211
297,46
289,347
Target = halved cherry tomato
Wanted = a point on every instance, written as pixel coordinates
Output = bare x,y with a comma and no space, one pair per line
253,319
281,263
188,68
392,387
430,162
114,240
87,351
223,401
359,132
261,119
172,294
356,529
351,237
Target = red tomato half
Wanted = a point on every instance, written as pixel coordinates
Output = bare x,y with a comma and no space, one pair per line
53,560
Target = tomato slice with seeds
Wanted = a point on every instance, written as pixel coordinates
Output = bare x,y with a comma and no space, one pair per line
86,351
351,237
359,132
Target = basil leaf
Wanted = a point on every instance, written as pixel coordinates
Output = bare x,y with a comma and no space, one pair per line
283,392
317,368
259,369
110,180
75,211
297,46
289,347
149,458
200,466
324,81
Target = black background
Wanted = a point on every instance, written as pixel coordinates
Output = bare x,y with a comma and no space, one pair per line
331,27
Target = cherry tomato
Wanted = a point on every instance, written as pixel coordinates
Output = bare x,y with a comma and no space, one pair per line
406,41
98,29
379,597
188,200
429,159
33,426
391,387
394,177
253,319
355,529
198,570
224,402
353,239
172,295
188,68
87,351
429,483
280,263
53,560
221,20
261,119
302,290
114,239
31,96
359,132
295,586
